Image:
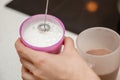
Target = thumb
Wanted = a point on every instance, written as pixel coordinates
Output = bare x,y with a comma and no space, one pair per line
68,44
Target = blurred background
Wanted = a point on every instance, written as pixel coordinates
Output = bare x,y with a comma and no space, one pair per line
77,15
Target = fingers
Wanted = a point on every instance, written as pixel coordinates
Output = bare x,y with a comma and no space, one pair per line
68,44
26,75
29,54
31,70
23,51
28,65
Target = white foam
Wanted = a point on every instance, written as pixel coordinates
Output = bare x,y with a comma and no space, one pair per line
33,36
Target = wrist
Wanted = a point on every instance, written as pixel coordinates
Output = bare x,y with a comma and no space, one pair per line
87,75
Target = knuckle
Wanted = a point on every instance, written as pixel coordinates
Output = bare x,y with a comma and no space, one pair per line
16,44
23,76
35,73
17,47
39,61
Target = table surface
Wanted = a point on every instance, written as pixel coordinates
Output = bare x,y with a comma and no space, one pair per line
10,20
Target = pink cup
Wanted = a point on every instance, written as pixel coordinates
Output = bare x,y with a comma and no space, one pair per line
54,47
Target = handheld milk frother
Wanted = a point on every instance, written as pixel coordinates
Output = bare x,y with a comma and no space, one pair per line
45,27
43,32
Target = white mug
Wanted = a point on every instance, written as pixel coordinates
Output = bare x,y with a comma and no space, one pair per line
101,38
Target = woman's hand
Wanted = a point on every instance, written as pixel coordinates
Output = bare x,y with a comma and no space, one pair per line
67,65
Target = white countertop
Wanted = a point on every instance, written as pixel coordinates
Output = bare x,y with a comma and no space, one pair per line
10,20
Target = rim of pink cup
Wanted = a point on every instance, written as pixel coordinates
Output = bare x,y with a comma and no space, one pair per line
49,48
